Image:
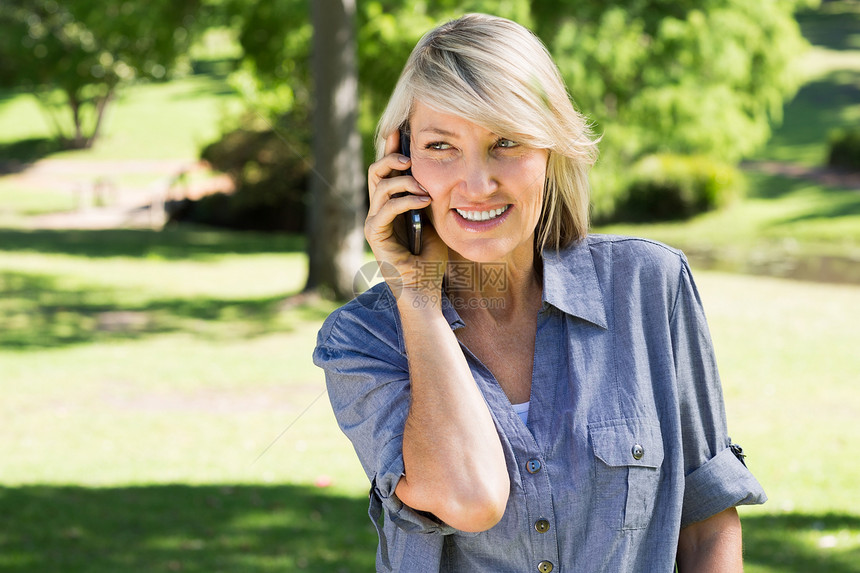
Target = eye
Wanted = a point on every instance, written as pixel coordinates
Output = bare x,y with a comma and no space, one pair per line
437,145
506,143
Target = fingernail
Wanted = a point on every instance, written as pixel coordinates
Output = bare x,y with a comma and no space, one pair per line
423,197
403,159
423,189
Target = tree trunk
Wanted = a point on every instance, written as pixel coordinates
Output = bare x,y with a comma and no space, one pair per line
101,105
79,141
336,202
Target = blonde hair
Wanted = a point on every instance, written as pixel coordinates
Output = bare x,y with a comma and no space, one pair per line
498,74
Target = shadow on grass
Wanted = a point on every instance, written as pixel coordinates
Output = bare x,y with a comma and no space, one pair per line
803,543
818,108
37,311
17,155
774,187
835,25
171,243
258,528
193,529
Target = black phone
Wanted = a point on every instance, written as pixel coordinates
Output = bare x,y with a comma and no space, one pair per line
413,218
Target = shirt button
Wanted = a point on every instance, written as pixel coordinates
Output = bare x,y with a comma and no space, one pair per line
541,525
638,451
533,466
545,566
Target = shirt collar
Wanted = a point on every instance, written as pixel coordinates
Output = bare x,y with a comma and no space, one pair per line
570,283
450,313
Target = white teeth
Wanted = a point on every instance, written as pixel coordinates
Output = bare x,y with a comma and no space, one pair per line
482,215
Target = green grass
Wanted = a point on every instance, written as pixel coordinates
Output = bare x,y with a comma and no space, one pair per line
15,203
163,414
202,529
134,362
146,121
788,360
786,227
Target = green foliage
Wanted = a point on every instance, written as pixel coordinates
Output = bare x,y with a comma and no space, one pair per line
845,149
275,39
666,187
74,54
685,77
691,78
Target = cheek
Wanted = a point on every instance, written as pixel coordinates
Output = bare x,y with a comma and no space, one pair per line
531,184
434,176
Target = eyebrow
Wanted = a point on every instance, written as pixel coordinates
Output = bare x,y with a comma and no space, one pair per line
438,131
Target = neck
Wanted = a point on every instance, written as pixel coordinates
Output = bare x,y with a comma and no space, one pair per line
501,288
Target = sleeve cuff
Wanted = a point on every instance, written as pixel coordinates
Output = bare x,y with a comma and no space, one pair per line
719,484
384,500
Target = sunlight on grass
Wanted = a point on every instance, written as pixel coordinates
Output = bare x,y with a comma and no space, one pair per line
16,202
178,118
779,344
786,227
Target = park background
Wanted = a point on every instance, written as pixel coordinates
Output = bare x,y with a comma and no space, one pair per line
160,410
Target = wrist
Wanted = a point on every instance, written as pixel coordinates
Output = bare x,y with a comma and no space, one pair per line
420,301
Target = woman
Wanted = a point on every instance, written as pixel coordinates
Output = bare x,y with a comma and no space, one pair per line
533,398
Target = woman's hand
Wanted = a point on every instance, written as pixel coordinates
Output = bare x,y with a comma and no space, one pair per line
420,275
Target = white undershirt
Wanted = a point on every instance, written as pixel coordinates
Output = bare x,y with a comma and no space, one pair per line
522,411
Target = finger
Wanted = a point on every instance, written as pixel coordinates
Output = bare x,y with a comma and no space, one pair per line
392,142
385,167
388,212
392,188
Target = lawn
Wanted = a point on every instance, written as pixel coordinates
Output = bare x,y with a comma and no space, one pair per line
147,121
161,412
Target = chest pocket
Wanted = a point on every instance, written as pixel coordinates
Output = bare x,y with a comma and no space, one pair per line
628,456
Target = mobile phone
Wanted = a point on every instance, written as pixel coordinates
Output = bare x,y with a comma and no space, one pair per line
413,218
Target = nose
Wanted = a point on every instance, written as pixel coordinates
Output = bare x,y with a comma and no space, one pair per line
479,178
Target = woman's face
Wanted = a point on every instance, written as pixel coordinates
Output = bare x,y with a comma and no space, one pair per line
487,191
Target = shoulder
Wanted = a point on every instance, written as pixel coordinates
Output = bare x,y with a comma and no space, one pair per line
630,268
635,254
367,321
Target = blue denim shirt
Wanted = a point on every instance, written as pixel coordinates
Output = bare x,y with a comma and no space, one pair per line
626,440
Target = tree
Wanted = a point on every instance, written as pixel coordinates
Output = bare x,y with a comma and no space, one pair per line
684,77
335,239
72,55
681,76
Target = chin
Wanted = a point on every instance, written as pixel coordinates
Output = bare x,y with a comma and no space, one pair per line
483,250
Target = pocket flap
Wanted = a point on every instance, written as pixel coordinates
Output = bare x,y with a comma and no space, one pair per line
627,442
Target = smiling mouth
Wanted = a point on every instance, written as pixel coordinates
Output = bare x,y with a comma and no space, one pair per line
482,215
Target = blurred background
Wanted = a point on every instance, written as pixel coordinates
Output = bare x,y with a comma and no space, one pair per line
164,268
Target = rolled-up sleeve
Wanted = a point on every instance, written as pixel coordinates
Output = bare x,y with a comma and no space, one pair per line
367,378
715,479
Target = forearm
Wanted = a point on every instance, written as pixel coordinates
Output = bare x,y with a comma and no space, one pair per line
712,546
454,462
